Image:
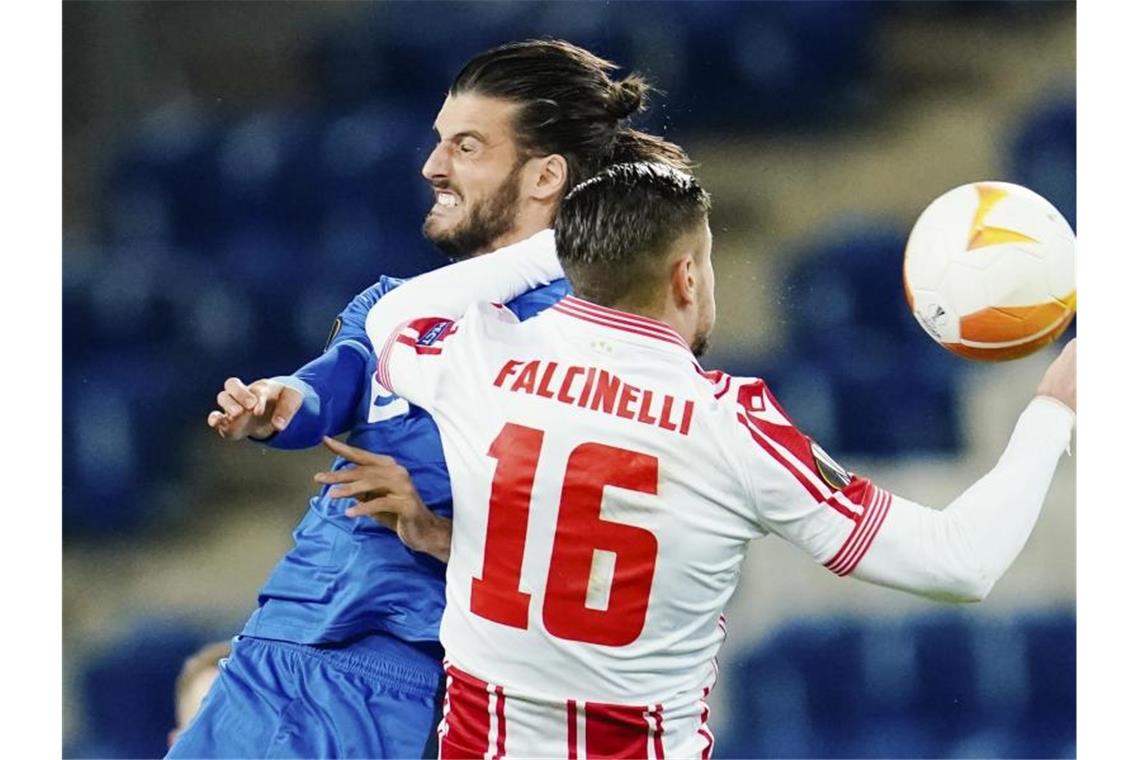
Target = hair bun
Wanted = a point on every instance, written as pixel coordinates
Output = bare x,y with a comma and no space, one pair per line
627,97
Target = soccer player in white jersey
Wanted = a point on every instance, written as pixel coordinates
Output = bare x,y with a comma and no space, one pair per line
606,487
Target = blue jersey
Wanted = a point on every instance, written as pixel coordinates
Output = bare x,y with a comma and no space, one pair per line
347,577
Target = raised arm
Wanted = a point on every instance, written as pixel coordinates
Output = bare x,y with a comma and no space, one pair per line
960,552
853,527
447,292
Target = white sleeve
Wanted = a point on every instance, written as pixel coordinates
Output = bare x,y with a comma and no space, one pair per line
795,490
958,553
408,325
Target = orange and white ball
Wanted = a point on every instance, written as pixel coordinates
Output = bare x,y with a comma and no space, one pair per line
990,271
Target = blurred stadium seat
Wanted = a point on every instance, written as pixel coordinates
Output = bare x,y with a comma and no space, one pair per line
1043,154
855,365
129,689
939,685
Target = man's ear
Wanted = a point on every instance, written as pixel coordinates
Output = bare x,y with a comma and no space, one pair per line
550,174
683,280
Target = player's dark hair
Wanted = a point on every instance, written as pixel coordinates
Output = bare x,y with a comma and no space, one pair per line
569,105
614,229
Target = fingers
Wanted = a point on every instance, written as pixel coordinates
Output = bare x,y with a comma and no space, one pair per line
240,393
215,419
288,403
355,455
360,488
1060,379
230,405
384,510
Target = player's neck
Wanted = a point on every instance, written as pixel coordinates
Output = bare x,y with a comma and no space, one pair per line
516,235
530,220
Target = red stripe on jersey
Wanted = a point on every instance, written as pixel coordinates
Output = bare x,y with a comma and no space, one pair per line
616,731
658,731
862,535
617,315
384,356
850,502
856,539
607,323
468,721
812,485
619,320
721,381
501,717
572,729
704,731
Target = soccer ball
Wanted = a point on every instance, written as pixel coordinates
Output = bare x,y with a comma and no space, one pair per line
990,271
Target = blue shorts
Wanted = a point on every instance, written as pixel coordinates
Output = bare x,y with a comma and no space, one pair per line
275,699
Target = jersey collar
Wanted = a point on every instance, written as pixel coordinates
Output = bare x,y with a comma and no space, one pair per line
654,329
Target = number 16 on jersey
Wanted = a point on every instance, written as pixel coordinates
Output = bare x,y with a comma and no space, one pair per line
580,531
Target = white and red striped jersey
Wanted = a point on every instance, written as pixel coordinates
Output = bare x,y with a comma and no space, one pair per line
605,492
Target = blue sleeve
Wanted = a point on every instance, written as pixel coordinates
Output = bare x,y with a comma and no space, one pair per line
536,301
332,384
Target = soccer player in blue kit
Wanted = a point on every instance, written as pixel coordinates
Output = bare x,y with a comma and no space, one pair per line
341,658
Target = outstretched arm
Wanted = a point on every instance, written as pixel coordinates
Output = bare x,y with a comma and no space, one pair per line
851,526
296,411
960,552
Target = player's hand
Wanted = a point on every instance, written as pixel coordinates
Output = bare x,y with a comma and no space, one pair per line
384,491
1060,380
257,410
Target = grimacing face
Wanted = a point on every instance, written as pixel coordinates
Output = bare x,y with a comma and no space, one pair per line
473,171
706,294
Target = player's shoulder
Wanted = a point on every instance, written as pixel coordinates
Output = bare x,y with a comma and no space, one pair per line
745,403
490,314
735,392
367,298
759,420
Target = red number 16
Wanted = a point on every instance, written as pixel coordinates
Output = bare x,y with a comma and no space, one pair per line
579,532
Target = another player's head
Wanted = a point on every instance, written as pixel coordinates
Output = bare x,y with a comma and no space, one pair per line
195,679
521,125
636,237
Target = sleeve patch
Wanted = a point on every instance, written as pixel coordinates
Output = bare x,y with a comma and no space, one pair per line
830,470
436,332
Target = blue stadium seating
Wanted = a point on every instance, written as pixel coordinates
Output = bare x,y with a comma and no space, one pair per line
128,690
1043,155
945,684
892,390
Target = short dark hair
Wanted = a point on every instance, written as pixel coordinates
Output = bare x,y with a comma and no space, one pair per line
569,105
615,227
